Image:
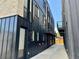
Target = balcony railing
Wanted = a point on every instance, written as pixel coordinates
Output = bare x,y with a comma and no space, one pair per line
60,25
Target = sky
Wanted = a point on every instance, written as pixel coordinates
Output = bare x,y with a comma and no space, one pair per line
56,9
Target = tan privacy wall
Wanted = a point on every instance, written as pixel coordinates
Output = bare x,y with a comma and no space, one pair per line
11,7
21,7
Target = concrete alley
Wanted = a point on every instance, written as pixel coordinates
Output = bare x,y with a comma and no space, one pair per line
54,52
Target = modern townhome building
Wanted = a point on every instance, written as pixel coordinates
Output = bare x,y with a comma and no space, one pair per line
26,28
70,14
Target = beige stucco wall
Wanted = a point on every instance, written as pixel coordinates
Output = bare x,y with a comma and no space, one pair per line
11,7
21,7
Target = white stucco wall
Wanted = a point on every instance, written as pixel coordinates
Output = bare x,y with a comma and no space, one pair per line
71,13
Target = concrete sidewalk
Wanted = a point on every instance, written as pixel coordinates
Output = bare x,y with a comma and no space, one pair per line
54,52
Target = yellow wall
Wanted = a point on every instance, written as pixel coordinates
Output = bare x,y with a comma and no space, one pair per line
59,40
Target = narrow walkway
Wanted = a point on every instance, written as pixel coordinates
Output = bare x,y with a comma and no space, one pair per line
54,52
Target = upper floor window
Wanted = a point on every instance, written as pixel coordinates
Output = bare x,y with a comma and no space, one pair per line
35,11
25,3
40,15
48,19
30,5
33,36
44,4
25,8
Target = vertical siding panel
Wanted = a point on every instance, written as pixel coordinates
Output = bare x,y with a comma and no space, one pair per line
14,39
0,36
3,33
5,39
8,25
13,22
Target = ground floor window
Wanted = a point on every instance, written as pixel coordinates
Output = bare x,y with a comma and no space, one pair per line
43,38
37,36
21,42
33,36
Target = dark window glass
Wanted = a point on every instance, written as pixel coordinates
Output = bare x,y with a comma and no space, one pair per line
25,12
35,11
25,3
25,8
44,4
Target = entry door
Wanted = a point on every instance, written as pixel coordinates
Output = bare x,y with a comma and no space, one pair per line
21,43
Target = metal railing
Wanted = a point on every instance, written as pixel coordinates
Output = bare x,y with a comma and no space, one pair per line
59,24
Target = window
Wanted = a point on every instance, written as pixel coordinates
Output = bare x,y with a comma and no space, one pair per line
40,15
25,8
25,12
30,5
21,43
38,12
37,36
35,11
43,19
33,34
31,10
25,3
43,38
48,19
44,4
